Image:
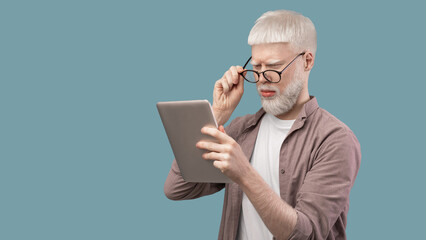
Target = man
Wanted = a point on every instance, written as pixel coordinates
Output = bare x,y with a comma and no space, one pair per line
292,163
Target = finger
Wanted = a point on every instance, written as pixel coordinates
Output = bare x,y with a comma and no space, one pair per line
229,79
218,165
240,83
221,165
240,70
210,146
214,132
221,157
234,72
218,84
224,84
212,156
222,129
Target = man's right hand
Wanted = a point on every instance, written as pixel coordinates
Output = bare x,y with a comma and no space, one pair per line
227,94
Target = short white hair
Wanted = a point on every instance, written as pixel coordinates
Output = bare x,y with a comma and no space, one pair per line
284,26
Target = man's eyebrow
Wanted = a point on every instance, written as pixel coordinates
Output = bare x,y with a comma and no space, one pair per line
274,61
270,62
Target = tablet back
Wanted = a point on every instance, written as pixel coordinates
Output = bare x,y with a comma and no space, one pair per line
183,121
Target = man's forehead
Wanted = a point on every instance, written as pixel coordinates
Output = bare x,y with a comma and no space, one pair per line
270,53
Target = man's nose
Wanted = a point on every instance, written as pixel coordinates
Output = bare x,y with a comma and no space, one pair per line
262,78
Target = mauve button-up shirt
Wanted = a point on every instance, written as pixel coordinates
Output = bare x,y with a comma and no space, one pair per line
319,161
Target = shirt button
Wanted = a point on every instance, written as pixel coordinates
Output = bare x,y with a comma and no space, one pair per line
282,171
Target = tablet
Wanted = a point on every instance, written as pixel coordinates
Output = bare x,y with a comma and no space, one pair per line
183,121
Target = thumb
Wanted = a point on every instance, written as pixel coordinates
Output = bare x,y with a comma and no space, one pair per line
218,164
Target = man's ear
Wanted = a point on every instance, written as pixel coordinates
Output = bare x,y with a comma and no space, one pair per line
309,60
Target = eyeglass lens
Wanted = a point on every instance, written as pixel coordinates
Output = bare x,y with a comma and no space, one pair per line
253,76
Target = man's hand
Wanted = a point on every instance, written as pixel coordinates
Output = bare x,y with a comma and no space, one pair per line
227,94
226,153
278,216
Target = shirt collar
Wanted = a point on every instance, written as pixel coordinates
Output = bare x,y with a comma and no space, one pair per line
308,108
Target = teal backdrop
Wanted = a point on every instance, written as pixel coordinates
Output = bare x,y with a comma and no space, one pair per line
83,154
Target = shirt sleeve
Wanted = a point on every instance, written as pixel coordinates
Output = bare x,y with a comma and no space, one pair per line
324,194
176,188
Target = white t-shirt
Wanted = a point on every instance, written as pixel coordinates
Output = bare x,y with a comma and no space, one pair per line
265,160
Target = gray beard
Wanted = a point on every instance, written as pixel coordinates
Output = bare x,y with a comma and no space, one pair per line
283,102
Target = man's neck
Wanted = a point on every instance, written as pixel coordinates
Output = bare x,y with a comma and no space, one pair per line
294,112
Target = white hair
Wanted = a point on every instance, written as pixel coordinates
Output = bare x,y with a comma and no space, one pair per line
284,26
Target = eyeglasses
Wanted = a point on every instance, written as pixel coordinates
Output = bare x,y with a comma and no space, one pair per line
272,76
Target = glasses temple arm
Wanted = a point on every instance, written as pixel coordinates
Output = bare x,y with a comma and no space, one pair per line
293,61
247,62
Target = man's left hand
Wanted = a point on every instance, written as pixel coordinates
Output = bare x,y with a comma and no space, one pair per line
226,153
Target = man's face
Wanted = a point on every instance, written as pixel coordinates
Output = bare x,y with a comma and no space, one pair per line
278,98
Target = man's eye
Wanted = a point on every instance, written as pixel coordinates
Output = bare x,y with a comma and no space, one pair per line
256,67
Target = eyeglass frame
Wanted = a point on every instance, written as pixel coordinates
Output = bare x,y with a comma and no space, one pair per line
263,73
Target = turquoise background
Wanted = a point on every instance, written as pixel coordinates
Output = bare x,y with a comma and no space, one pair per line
83,154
